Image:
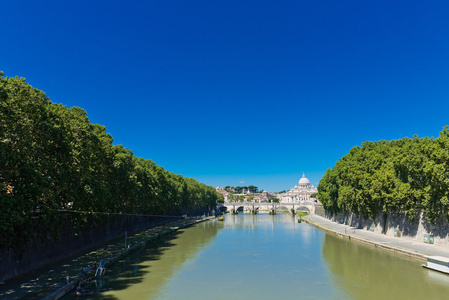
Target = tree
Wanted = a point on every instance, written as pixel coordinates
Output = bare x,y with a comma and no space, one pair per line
273,200
53,158
384,177
253,189
220,198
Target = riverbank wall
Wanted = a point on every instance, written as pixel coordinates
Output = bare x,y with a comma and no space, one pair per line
45,249
395,224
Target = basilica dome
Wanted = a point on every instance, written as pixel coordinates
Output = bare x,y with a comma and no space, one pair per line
304,181
300,193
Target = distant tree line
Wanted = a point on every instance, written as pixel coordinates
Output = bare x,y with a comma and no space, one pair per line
239,189
406,175
52,158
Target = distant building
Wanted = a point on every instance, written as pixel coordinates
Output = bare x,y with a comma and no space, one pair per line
299,193
220,189
246,193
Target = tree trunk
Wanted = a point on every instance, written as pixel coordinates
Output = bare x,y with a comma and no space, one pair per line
384,223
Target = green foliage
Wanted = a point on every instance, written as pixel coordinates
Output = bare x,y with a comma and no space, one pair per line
220,198
405,175
253,189
239,189
53,158
273,200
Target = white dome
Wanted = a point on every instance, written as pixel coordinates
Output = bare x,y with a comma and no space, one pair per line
304,181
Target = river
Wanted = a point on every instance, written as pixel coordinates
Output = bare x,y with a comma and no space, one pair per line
265,257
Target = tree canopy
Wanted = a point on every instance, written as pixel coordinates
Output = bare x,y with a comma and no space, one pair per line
239,189
406,175
53,157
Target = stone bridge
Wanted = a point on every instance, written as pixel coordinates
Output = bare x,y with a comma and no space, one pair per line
307,206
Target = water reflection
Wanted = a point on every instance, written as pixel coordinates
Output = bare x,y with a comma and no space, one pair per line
256,257
143,274
267,257
364,272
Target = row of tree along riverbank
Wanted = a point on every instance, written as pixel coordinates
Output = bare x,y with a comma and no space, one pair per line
385,177
53,158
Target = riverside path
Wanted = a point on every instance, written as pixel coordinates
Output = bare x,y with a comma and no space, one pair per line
410,247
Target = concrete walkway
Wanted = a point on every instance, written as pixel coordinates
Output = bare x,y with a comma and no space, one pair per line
410,247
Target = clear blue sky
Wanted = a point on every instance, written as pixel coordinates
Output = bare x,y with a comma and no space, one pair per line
238,91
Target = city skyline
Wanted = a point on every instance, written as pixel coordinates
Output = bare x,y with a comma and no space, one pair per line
232,92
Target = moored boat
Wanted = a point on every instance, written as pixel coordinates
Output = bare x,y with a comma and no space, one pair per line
438,263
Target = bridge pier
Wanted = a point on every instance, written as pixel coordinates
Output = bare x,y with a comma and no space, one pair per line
252,211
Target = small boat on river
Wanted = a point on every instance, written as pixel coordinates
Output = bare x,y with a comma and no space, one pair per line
438,263
221,219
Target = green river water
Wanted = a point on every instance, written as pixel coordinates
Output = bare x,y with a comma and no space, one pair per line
265,257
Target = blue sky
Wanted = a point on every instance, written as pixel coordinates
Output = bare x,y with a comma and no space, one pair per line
238,92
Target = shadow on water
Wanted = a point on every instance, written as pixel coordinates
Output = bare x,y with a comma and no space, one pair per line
128,271
33,285
368,273
150,267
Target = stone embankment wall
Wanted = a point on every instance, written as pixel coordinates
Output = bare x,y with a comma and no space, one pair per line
408,229
45,249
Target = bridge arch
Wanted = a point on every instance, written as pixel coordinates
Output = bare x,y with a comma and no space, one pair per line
303,208
222,209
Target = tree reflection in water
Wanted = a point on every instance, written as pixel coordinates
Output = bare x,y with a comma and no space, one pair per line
365,272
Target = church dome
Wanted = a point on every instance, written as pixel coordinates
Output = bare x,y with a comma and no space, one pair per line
304,181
